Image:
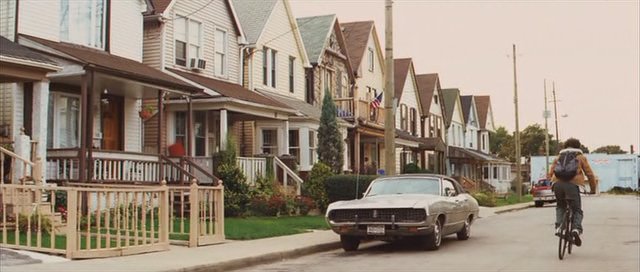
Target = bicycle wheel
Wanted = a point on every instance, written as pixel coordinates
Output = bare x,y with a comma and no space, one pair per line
569,229
563,240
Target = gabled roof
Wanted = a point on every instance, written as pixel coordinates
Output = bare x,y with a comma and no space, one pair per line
315,31
401,71
466,101
161,6
253,16
450,98
427,84
115,65
229,89
15,50
357,36
483,102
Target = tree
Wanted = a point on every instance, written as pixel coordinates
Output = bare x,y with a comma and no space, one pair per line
497,139
610,149
330,146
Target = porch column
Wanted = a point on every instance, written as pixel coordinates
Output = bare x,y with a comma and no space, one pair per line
224,129
82,164
161,130
356,152
305,164
89,128
285,139
190,137
40,118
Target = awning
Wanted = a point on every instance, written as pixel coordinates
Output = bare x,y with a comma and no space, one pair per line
435,144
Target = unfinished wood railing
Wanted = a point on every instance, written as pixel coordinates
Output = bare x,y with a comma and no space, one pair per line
345,107
369,114
85,222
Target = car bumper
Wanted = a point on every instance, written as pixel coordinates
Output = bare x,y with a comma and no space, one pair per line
544,198
391,230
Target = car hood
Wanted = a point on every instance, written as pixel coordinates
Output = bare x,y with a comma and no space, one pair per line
386,201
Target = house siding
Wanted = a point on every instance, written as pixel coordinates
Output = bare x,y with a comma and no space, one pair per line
455,133
214,16
7,18
34,14
286,46
18,112
126,29
133,125
409,98
6,105
152,45
367,78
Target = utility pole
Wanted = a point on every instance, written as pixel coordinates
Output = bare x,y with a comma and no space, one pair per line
555,109
546,128
389,100
515,101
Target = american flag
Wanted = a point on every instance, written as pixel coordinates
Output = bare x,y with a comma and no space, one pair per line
376,102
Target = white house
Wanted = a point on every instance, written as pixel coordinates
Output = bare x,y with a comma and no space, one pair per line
408,113
433,122
470,115
485,119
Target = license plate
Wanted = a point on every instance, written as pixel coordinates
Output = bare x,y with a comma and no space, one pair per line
375,229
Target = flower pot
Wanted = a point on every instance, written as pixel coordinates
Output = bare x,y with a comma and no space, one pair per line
144,114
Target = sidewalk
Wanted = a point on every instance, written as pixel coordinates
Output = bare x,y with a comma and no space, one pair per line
221,257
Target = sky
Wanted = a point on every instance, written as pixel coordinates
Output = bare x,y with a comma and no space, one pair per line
588,48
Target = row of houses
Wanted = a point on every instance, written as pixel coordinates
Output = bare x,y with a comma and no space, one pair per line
76,77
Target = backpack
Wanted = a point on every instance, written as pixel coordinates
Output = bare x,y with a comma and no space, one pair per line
567,165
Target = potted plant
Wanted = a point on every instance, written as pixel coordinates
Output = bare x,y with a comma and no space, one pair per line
146,112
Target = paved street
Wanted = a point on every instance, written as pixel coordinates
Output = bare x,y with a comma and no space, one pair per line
515,241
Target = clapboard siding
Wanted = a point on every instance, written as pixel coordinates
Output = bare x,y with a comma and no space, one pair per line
7,18
40,19
126,28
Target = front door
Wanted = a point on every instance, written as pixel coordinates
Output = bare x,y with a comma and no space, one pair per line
112,122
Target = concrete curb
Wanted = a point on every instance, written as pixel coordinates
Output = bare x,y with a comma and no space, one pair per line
261,259
513,209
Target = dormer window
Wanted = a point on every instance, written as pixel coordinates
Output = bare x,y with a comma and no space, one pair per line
435,99
83,22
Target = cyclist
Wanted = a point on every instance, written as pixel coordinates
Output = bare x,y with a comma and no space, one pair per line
568,188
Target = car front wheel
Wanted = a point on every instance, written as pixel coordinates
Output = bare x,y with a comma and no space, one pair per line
349,243
433,240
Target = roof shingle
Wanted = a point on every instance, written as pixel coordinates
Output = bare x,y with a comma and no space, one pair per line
466,101
356,35
482,106
15,50
427,84
401,71
253,16
314,32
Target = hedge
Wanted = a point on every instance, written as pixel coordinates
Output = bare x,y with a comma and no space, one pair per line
343,187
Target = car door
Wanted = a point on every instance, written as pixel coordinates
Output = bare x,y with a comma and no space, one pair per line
455,216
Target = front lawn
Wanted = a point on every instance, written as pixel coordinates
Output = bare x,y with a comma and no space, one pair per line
262,227
513,199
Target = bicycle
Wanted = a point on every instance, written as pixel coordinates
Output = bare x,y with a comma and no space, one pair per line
566,241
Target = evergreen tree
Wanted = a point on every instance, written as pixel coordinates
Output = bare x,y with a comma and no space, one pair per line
330,146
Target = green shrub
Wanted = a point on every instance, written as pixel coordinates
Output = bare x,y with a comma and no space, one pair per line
618,190
304,204
315,186
413,168
25,223
486,199
346,187
236,189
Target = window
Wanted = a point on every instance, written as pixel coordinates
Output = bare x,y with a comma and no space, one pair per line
294,144
200,132
328,81
413,121
181,128
339,83
448,189
83,22
485,172
273,68
187,34
265,66
483,142
269,67
312,147
432,120
64,110
495,172
403,117
220,60
270,141
435,99
292,63
370,58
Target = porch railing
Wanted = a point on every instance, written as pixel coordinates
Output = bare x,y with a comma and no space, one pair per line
288,173
345,107
252,168
366,112
29,168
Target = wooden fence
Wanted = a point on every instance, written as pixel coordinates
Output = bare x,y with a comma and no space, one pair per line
92,220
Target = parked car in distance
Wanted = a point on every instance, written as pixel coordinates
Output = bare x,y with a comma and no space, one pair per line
542,193
422,206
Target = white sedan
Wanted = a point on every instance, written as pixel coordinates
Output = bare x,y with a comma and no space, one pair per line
424,206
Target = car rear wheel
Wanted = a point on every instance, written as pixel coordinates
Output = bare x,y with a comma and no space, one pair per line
349,243
465,232
539,204
433,240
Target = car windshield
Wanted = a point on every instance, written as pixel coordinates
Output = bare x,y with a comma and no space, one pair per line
393,186
544,182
